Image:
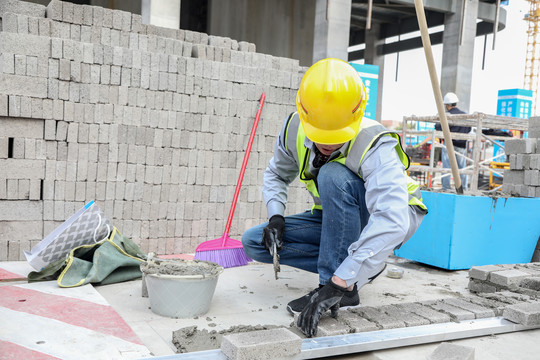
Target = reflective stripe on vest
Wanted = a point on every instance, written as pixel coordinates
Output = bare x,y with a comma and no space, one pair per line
370,132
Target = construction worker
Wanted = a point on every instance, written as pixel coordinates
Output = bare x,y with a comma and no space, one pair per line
450,101
354,168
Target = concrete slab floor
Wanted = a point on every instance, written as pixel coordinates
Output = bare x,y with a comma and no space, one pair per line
249,295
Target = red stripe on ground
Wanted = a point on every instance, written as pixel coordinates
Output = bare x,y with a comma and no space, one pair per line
8,275
86,314
11,351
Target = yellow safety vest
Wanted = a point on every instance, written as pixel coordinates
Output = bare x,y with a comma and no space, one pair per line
370,132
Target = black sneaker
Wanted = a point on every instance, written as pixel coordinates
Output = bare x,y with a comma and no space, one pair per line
350,298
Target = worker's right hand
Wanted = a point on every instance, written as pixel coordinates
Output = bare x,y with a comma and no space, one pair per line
273,232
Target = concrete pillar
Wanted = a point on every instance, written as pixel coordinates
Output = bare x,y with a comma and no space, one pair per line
165,13
373,56
458,51
332,24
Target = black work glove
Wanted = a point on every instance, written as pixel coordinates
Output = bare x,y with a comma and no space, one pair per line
273,232
328,297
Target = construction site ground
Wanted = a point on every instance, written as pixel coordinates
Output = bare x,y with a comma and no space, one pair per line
247,295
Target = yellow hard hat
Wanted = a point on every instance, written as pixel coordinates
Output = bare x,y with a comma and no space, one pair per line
331,102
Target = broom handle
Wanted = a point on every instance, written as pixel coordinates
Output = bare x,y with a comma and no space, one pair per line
244,165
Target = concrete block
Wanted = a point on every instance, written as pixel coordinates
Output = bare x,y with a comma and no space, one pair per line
378,317
60,30
409,318
67,12
453,311
107,18
527,313
278,343
520,146
483,272
7,64
23,168
448,351
24,86
20,64
44,27
77,14
514,177
10,22
478,310
25,44
117,18
356,323
54,10
87,15
328,326
508,278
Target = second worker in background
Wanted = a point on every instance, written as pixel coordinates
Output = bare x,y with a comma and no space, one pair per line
365,205
450,101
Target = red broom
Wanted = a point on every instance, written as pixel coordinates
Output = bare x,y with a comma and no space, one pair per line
225,251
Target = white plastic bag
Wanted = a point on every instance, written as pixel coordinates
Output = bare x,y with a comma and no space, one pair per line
86,226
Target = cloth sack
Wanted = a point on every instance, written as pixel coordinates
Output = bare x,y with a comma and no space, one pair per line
109,261
87,226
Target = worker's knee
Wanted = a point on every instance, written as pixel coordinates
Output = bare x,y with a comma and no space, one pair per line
335,176
252,241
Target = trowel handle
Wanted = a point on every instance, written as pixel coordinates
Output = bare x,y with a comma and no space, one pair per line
244,163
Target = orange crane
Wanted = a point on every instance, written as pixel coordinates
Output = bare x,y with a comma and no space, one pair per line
532,62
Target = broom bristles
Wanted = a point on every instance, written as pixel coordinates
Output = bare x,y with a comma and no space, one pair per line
224,257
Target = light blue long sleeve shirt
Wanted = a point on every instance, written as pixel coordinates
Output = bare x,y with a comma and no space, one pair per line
392,221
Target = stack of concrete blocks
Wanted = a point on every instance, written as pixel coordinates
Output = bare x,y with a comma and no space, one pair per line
517,278
523,177
151,123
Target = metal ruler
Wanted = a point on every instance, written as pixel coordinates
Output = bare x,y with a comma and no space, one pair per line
383,339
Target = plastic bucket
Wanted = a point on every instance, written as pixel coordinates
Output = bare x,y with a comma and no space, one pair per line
181,296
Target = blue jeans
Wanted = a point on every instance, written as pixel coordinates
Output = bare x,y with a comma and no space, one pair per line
461,162
317,241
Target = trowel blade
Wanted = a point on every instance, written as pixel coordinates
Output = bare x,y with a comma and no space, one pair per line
276,260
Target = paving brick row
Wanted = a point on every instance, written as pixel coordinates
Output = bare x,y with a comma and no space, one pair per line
478,310
455,313
434,316
409,318
379,317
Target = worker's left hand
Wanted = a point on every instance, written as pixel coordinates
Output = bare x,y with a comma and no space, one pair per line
273,233
328,297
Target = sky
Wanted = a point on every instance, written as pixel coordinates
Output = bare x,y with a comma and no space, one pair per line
504,68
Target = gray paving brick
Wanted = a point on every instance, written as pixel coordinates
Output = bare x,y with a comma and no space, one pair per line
453,311
378,317
409,318
24,44
482,272
355,322
23,85
508,278
520,146
54,10
524,313
478,310
328,326
447,351
9,22
262,344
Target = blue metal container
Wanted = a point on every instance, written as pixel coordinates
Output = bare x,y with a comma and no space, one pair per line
462,231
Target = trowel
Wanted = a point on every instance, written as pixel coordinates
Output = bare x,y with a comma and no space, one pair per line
275,255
